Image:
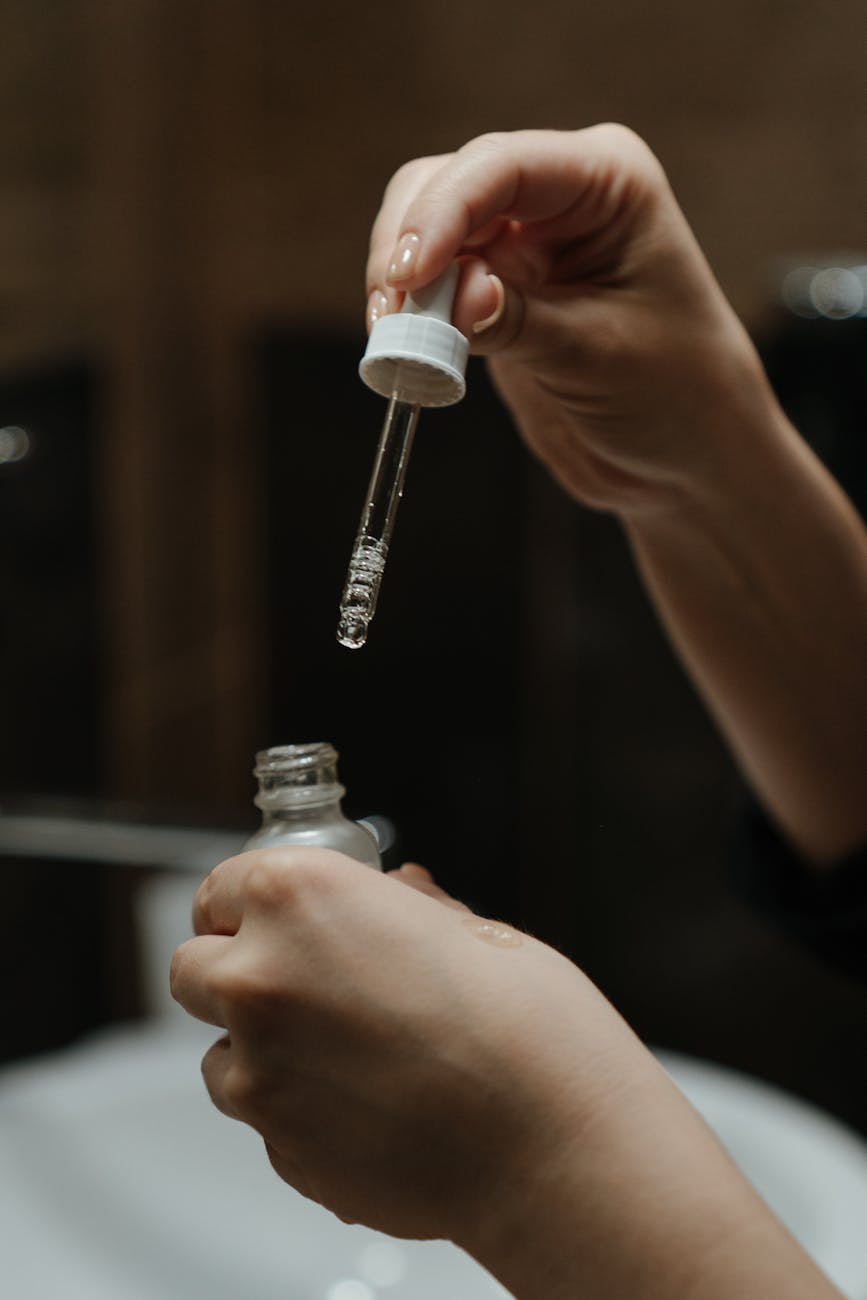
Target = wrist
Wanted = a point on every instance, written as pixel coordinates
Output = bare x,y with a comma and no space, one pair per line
731,443
688,428
554,1220
643,1201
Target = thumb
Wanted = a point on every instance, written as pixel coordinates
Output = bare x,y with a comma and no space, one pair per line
486,310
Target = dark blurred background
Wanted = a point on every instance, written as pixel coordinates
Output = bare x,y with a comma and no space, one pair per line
187,188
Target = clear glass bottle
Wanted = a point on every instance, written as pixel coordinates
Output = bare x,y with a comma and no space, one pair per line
299,795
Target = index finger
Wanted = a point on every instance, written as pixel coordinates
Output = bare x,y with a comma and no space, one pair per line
403,188
527,176
218,907
399,193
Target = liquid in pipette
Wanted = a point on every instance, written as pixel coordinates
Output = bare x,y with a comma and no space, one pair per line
370,549
366,567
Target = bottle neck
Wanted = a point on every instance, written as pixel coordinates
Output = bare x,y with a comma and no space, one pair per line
298,782
300,814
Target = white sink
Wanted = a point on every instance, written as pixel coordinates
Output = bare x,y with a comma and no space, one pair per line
119,1181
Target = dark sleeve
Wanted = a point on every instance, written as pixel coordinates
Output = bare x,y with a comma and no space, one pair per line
823,909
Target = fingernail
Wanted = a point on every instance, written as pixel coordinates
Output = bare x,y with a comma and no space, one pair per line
486,322
377,305
404,257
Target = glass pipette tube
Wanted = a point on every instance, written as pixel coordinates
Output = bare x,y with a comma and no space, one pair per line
367,564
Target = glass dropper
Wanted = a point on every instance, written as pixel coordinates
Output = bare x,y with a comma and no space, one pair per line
367,563
414,357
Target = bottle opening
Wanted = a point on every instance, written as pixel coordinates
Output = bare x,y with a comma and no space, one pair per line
297,774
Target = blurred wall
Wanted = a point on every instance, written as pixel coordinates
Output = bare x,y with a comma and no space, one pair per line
240,148
175,172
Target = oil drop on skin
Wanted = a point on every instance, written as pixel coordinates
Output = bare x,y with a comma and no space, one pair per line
492,932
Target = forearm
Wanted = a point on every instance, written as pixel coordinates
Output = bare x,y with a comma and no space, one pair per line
760,578
649,1207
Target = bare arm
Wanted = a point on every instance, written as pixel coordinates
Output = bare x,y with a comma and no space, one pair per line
761,581
630,377
653,1209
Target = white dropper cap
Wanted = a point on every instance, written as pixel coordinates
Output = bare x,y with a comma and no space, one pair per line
417,354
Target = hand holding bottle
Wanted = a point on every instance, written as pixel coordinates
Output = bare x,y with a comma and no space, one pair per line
432,1073
389,1048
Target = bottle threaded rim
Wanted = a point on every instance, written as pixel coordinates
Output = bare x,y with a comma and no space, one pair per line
292,775
296,758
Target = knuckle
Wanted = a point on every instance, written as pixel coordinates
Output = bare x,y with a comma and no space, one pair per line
611,346
249,989
179,957
285,877
270,880
410,172
206,903
488,142
246,1090
622,141
406,183
203,911
617,134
